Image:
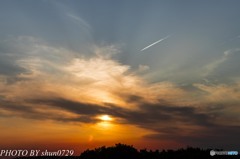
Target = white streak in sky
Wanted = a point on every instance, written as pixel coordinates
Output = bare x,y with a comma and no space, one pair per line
155,43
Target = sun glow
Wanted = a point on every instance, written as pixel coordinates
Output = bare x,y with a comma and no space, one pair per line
105,121
105,118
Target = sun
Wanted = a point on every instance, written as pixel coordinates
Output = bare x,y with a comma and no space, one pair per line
105,118
106,121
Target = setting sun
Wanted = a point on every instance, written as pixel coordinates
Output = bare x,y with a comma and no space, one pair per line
105,118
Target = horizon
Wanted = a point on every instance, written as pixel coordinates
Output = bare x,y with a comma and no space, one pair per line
152,74
120,150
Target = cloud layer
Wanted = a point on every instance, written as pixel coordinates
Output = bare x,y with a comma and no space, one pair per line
36,77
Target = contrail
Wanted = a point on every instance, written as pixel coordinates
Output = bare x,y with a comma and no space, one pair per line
155,42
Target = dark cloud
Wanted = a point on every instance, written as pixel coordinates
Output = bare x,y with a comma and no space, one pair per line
72,106
8,66
25,110
158,114
218,136
148,114
174,123
187,126
15,107
153,114
86,111
133,98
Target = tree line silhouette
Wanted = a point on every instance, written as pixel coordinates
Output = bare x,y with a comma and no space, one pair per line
123,151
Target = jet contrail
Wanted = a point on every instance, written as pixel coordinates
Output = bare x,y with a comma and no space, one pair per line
155,42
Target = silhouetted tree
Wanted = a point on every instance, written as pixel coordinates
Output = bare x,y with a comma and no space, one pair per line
122,151
119,151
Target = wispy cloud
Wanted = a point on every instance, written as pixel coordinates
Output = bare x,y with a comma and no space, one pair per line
230,40
142,68
79,20
224,60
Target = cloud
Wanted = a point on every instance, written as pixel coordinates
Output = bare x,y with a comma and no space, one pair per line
228,70
225,67
79,20
214,137
142,68
75,88
231,51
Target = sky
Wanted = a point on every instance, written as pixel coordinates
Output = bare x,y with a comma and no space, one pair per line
155,74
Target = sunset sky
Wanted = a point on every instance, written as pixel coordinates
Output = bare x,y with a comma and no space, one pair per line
79,74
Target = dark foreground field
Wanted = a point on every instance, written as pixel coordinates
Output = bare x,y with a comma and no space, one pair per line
122,151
